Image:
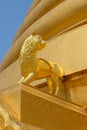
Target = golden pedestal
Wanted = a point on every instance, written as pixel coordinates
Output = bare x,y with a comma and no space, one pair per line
36,107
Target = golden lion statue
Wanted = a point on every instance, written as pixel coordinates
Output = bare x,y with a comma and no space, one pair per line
33,68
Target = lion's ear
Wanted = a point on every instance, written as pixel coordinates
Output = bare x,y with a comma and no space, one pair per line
33,33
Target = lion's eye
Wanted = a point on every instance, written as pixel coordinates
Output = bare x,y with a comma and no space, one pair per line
36,39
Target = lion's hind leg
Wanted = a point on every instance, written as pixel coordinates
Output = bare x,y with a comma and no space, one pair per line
53,84
54,79
50,83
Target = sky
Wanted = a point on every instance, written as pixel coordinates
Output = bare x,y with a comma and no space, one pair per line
12,14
